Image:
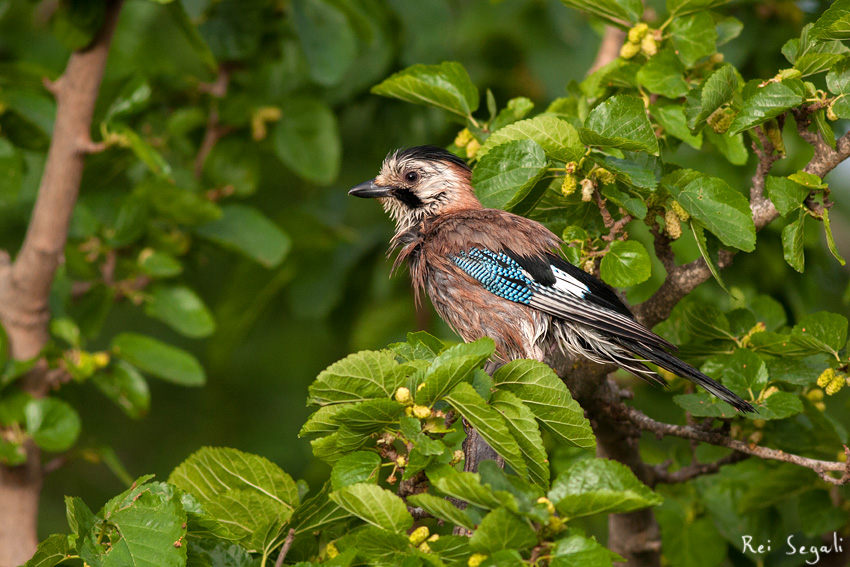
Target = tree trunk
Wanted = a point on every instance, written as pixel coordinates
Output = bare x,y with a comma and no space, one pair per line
25,284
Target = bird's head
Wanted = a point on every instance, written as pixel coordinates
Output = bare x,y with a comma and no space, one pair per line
418,183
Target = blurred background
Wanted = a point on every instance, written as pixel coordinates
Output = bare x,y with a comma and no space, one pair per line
307,66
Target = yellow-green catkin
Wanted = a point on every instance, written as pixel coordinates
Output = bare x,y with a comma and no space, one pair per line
671,222
629,50
680,212
463,138
826,377
835,385
570,184
421,412
476,559
419,535
638,32
648,45
472,148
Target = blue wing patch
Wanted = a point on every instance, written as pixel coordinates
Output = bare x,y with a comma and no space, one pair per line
497,272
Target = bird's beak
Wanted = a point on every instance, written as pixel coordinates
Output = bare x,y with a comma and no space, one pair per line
369,190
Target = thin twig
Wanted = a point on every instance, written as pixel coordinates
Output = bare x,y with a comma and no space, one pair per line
290,537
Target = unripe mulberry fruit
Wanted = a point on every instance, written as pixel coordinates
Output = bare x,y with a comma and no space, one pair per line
674,227
680,212
648,45
421,412
587,187
830,112
835,385
603,175
629,50
826,377
331,551
463,138
402,396
815,395
472,148
638,32
419,535
476,559
569,186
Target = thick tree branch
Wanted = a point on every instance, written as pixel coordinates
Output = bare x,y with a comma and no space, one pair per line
609,49
25,284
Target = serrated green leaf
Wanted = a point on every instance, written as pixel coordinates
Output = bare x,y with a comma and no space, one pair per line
361,376
369,416
522,425
663,74
253,517
146,153
446,86
681,7
466,486
382,547
419,345
442,509
516,109
549,400
807,179
307,140
719,88
768,101
575,548
705,405
123,384
694,37
374,505
825,128
52,551
451,367
617,12
672,118
830,240
322,420
731,146
317,512
205,552
557,137
722,210
620,122
159,359
502,529
594,486
52,423
626,263
785,194
810,56
507,174
212,471
745,371
822,331
705,252
834,23
792,242
488,423
780,405
838,78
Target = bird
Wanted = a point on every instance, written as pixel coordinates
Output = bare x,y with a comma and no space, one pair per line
489,272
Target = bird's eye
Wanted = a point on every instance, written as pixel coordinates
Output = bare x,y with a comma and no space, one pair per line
412,176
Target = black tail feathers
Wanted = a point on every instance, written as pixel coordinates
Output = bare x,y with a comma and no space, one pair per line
669,362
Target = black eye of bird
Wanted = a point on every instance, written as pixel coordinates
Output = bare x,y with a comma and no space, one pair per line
412,176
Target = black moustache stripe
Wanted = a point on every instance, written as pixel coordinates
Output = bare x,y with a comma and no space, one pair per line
407,197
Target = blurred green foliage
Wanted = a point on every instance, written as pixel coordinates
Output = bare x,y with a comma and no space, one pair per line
254,260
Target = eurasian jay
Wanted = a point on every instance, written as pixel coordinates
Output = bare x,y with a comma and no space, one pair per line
492,273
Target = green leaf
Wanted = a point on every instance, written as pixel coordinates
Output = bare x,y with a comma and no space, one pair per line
834,23
123,384
11,172
810,56
502,529
361,466
254,518
780,405
722,210
205,552
792,242
158,264
632,205
374,505
247,231
317,512
234,165
731,146
809,180
617,12
212,471
147,154
516,109
142,531
508,173
181,309
705,405
786,195
419,346
626,264
620,122
672,118
768,101
694,542
838,78
52,423
488,423
442,509
705,252
557,137
180,205
322,421
369,416
382,547
594,486
822,331
576,549
307,140
830,240
728,28
159,359
328,42
694,37
549,400
446,86
522,425
361,376
133,97
745,371
721,87
681,7
452,367
51,551
663,74
466,486
192,36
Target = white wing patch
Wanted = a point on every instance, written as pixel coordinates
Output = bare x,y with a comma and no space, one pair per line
567,283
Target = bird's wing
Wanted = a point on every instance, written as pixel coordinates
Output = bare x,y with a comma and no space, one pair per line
553,285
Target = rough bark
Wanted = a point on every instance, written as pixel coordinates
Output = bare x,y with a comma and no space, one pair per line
25,283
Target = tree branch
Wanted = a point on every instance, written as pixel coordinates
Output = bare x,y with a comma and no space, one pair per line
609,49
714,437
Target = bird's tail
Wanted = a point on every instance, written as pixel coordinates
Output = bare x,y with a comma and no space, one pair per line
669,362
